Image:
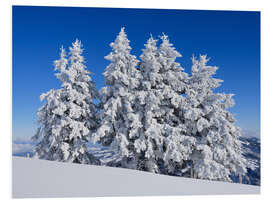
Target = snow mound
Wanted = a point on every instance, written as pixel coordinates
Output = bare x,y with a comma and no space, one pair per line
32,178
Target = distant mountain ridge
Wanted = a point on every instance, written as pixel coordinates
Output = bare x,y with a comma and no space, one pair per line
252,152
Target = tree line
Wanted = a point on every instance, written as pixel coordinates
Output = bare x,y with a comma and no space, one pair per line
156,116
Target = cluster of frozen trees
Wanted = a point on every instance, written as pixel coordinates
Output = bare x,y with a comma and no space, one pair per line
157,117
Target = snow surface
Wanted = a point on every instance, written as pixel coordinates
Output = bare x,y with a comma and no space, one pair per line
32,178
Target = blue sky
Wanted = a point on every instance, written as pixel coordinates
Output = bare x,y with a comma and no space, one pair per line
230,39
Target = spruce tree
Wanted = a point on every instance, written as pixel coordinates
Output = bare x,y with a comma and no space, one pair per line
119,123
217,153
178,144
162,143
149,144
68,117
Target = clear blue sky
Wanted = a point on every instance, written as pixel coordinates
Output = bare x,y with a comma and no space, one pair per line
231,39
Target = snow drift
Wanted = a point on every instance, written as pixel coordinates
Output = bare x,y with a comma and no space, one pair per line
41,178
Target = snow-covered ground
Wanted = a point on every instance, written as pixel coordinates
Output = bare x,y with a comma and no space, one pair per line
41,178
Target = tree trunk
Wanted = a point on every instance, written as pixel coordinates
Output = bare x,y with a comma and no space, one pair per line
240,179
191,172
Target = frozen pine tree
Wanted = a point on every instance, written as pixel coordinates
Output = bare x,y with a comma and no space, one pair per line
162,140
217,153
178,144
119,123
150,141
68,116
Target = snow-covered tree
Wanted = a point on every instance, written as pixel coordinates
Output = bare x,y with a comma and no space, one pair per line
68,117
119,123
150,141
178,144
162,140
217,152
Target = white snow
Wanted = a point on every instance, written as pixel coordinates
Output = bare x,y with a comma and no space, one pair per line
41,178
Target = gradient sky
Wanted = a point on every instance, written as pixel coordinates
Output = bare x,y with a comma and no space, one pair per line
230,39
